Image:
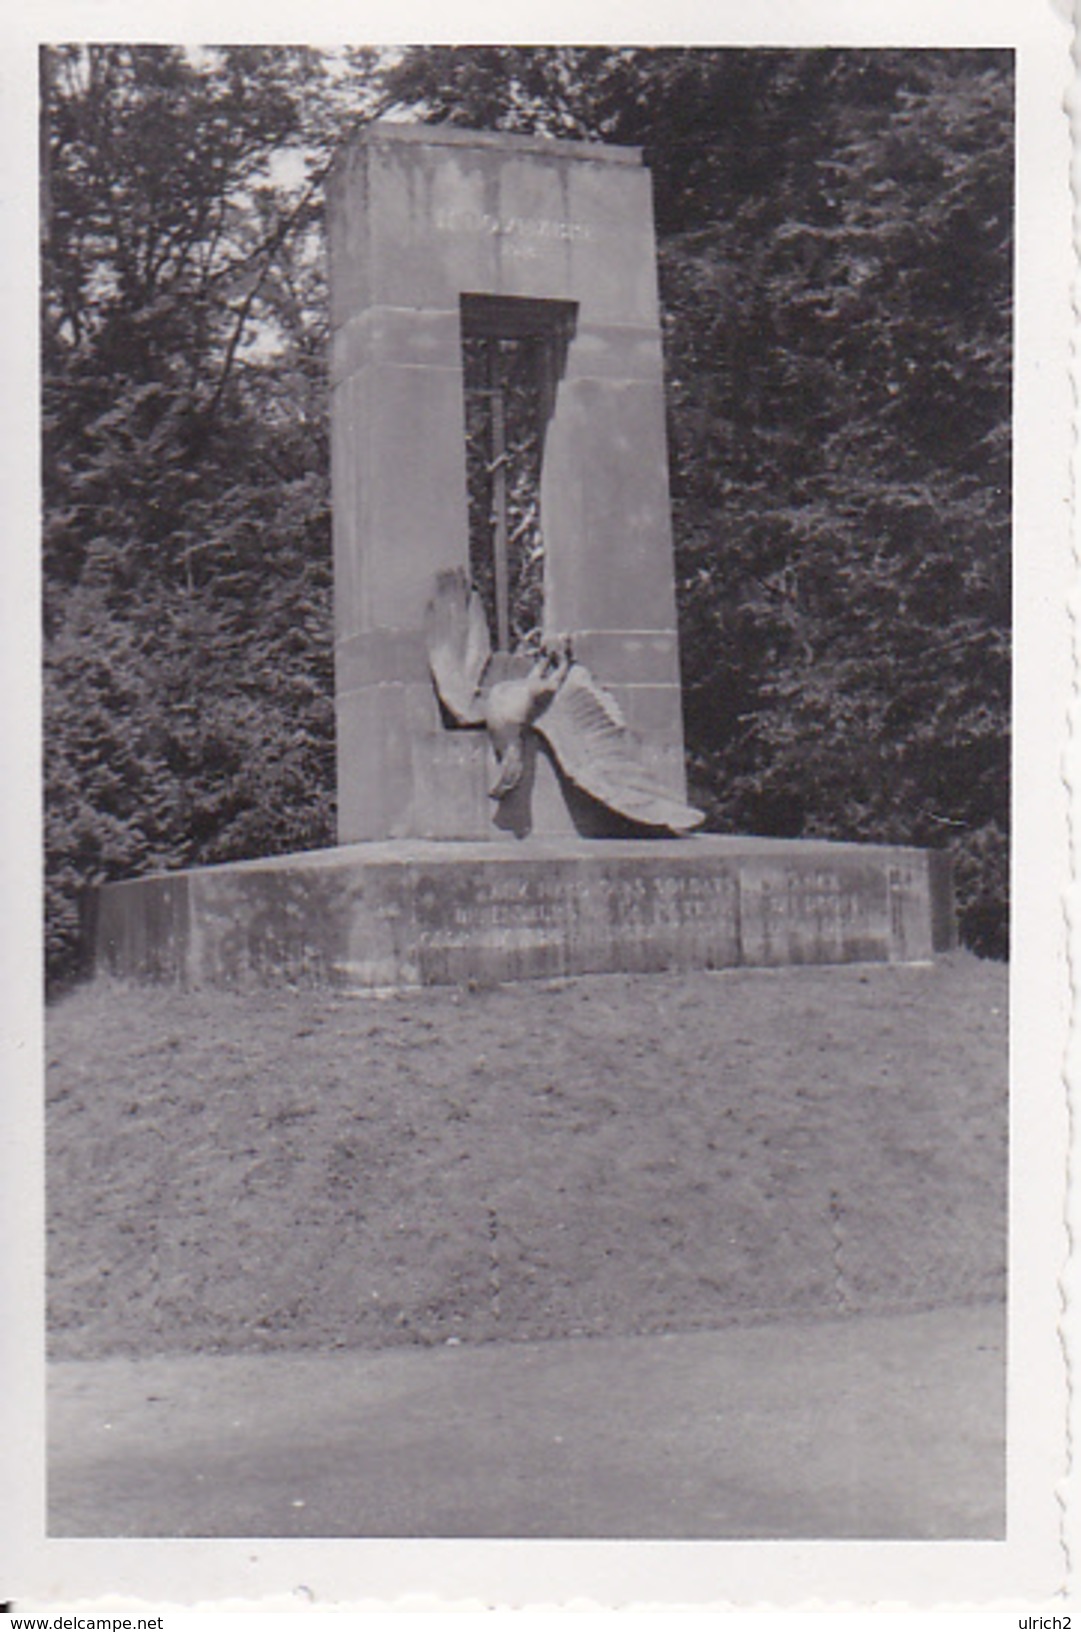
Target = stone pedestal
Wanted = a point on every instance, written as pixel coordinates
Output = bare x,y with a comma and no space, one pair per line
433,913
427,226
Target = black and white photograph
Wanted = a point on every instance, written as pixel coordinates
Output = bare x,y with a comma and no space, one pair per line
546,767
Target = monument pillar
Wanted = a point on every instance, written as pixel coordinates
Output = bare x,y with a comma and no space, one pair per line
425,224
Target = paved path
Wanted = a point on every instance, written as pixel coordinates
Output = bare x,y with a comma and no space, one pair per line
876,1427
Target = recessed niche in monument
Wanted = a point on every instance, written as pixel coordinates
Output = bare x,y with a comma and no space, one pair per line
514,352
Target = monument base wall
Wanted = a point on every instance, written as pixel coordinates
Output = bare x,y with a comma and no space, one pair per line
417,913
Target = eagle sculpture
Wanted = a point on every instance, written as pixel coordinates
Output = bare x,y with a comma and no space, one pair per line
579,720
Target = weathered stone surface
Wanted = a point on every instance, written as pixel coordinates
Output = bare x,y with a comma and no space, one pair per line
606,506
426,914
419,218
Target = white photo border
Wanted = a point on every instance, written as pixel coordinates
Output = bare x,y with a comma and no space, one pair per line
1032,1563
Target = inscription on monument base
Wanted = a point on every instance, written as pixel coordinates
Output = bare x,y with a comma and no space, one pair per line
374,916
571,917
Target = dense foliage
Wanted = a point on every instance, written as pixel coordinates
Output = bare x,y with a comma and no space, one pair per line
835,246
188,681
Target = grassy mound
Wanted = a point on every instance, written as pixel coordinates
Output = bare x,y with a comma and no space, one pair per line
606,1154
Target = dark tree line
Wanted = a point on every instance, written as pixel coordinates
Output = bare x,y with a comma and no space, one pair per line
835,250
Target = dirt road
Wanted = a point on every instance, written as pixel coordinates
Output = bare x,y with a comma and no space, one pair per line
873,1427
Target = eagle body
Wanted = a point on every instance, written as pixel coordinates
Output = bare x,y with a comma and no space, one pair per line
559,699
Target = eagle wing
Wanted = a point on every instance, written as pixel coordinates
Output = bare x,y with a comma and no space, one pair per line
459,646
599,753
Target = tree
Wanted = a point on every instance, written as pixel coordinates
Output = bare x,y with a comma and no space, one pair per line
187,561
861,625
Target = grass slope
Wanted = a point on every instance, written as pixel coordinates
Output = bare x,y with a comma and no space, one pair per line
606,1154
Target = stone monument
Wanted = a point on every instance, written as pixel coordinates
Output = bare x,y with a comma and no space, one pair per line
497,416
440,238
